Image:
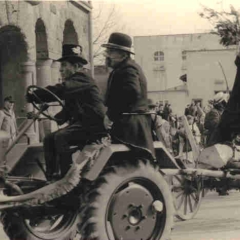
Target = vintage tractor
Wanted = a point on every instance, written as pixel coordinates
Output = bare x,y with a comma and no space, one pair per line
107,194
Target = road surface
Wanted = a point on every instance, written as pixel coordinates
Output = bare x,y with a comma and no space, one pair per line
217,219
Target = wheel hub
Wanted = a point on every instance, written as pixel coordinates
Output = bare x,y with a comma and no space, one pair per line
131,213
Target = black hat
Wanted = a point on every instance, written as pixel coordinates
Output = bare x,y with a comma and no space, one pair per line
9,99
119,41
72,52
151,104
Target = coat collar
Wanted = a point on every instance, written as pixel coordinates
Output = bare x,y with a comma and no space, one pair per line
6,111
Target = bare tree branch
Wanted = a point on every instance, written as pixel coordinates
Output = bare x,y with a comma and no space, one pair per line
106,20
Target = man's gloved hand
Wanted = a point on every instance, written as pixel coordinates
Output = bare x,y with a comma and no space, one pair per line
29,97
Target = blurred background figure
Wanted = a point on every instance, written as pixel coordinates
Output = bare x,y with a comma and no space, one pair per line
8,119
213,117
160,110
192,109
160,127
182,142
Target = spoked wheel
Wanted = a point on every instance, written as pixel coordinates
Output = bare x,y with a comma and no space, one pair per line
122,205
47,226
187,195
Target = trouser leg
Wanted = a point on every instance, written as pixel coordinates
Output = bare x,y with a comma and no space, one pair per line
64,138
50,155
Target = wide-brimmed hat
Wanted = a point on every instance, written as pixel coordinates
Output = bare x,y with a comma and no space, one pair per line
72,53
9,99
119,41
151,104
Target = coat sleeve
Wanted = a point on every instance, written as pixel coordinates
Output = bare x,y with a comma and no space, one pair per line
212,120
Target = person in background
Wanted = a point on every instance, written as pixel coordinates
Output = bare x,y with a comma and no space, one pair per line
192,109
167,111
213,117
160,127
185,150
200,122
160,110
8,119
186,111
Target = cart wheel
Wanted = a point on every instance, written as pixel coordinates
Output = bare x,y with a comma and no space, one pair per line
187,195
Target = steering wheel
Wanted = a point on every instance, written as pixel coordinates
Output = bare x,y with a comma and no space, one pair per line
58,101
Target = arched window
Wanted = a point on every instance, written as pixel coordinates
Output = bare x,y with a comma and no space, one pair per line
184,55
159,56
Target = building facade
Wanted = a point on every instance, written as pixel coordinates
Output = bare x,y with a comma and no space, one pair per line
31,37
209,72
165,58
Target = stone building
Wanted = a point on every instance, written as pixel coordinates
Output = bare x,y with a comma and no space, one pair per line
205,76
31,38
165,58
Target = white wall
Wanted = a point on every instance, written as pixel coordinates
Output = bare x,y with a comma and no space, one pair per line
204,75
178,99
172,46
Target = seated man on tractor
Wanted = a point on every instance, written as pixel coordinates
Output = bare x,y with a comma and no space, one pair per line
126,97
84,111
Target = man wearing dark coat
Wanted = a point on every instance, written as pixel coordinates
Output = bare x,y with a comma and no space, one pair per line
126,97
229,125
84,110
213,117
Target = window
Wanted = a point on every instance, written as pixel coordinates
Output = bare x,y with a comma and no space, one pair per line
159,56
184,55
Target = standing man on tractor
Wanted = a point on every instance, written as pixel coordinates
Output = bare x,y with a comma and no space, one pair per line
84,110
126,97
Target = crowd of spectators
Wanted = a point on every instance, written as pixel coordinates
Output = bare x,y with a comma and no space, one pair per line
202,121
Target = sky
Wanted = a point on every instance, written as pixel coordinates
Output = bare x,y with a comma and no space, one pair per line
162,17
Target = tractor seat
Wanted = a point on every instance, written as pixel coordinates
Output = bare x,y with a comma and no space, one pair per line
90,140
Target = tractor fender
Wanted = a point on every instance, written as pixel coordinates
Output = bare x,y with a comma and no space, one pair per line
163,158
102,160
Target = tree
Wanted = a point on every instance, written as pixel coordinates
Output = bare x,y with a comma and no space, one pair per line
106,19
225,24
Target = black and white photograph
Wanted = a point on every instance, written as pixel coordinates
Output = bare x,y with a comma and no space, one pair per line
119,120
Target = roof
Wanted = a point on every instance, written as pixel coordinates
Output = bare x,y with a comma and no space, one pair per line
178,34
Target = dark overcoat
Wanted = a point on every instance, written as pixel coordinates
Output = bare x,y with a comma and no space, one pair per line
127,95
230,119
83,104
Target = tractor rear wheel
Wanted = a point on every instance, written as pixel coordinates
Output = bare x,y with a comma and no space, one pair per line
129,202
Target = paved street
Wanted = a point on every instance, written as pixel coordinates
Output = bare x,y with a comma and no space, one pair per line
217,219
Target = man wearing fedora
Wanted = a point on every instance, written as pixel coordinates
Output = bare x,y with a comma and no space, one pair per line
126,97
7,118
84,110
